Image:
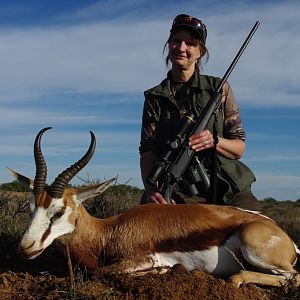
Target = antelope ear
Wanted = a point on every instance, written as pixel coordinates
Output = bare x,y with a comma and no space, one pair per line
26,182
94,190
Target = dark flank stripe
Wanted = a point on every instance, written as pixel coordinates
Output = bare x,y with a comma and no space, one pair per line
195,241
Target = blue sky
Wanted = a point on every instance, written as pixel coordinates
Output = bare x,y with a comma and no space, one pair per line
83,65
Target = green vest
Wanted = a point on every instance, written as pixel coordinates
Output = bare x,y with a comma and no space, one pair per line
234,176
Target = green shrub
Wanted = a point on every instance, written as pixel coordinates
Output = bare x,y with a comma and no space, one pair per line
13,186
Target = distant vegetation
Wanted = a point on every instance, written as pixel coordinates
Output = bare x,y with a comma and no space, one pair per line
13,186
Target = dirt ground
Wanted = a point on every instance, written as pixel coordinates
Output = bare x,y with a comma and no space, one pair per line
47,277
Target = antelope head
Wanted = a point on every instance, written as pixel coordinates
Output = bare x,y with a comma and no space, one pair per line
54,208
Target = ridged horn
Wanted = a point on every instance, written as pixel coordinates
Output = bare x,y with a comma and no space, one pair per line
41,167
57,187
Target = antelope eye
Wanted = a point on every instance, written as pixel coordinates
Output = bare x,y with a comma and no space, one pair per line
56,217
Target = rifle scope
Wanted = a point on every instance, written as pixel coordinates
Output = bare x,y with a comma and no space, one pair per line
160,166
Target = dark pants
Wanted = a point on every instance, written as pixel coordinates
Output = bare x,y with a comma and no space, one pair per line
244,200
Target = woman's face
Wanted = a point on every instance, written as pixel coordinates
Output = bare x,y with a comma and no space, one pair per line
184,49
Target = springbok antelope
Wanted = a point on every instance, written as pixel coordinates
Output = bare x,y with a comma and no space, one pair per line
241,245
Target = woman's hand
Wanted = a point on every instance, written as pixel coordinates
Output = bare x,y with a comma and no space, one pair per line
201,141
230,148
159,199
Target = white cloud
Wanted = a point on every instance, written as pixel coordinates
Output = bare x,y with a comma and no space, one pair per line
111,58
274,157
40,116
277,186
86,58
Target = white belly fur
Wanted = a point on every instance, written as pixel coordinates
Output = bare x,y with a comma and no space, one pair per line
217,261
221,261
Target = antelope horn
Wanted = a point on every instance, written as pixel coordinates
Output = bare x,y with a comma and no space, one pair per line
57,187
41,167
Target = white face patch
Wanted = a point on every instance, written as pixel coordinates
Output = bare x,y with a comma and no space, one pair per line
60,226
47,224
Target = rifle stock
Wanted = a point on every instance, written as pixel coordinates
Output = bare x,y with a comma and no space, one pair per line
172,165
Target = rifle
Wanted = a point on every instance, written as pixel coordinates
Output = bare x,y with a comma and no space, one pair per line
168,170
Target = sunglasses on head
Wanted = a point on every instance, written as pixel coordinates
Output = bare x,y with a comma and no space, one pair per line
189,21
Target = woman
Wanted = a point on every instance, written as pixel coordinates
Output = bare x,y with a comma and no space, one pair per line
185,92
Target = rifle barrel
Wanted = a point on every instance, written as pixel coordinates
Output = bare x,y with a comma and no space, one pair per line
238,55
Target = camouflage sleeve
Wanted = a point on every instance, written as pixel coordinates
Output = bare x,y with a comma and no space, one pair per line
233,127
148,130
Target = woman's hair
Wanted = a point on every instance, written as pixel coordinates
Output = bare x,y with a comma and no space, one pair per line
195,37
